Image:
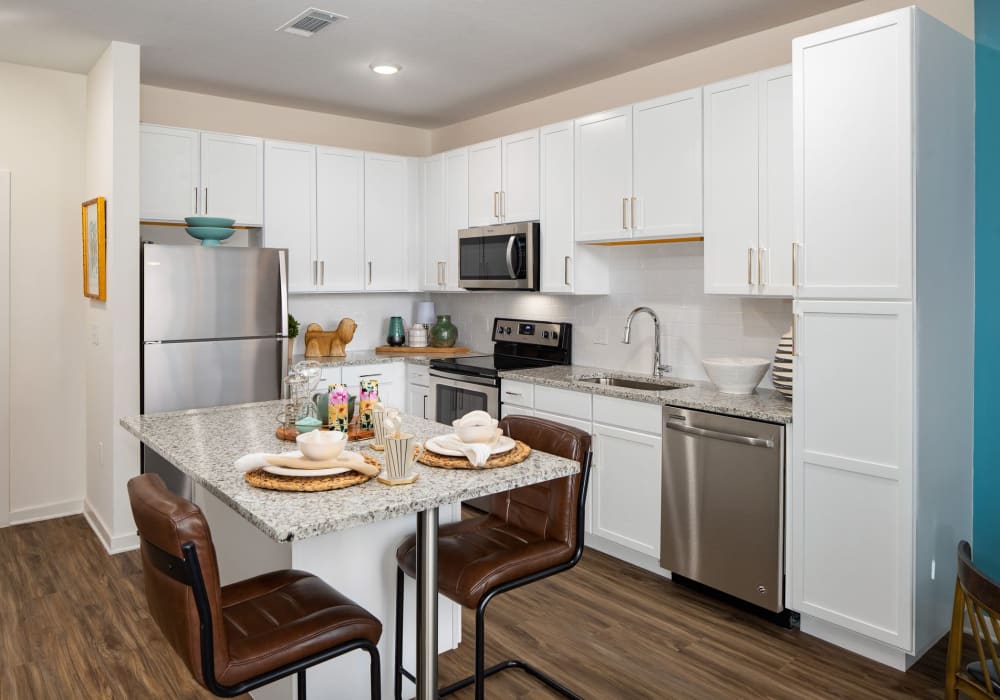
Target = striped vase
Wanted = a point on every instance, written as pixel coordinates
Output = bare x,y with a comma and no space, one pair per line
783,370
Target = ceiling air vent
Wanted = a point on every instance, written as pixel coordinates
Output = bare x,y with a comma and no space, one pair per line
310,21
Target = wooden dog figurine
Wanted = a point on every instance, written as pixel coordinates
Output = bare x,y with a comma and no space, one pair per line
320,343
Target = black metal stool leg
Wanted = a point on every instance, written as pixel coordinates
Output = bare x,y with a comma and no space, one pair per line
481,650
301,678
398,642
376,671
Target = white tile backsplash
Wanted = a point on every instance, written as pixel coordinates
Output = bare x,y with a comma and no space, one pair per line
666,277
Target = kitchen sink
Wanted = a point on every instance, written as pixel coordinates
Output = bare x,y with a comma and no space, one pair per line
627,383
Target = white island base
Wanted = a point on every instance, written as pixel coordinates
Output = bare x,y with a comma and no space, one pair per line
359,562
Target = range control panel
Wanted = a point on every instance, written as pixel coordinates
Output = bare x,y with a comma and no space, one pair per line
531,332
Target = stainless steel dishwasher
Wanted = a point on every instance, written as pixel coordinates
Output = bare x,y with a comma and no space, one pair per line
722,516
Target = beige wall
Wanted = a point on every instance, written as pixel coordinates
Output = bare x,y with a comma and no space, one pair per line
196,111
772,47
42,118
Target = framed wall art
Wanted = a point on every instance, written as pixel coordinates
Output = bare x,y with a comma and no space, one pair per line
94,250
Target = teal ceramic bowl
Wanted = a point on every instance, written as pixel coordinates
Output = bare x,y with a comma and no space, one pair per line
216,221
210,235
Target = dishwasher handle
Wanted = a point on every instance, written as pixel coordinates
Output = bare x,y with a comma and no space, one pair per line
717,435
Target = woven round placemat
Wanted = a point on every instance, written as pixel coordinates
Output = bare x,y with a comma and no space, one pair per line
518,454
276,482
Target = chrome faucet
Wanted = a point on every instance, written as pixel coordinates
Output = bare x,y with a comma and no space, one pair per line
658,369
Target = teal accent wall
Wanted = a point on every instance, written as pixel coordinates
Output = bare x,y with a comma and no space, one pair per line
986,488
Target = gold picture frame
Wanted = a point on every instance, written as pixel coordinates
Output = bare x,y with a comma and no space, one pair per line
94,250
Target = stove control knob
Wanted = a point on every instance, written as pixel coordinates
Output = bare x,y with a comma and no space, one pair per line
508,330
555,335
545,334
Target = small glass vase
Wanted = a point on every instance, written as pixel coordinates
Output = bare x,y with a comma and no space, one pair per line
396,336
443,333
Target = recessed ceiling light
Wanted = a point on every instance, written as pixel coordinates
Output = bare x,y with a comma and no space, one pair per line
385,68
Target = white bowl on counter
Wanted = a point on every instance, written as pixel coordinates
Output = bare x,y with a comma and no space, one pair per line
321,445
736,375
481,433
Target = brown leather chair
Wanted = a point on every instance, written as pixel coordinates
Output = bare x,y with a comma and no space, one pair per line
977,596
239,637
526,535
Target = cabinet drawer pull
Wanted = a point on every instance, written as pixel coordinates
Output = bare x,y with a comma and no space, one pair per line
376,374
513,393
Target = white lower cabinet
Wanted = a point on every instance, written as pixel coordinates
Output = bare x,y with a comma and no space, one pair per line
391,378
621,511
417,390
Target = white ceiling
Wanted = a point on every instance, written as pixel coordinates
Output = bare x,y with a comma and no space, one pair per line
460,58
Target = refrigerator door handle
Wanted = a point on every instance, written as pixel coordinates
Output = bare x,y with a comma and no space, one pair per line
283,289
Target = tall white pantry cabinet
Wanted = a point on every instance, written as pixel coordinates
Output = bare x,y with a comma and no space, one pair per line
880,489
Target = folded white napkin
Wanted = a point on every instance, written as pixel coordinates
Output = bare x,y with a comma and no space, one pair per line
478,453
257,460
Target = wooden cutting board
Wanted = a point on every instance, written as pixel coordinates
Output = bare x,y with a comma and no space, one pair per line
405,350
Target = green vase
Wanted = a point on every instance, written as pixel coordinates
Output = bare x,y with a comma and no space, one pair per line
443,333
396,336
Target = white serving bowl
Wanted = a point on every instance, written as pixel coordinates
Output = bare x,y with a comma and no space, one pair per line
476,433
736,375
320,445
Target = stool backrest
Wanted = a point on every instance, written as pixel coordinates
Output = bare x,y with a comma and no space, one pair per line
977,599
551,509
166,522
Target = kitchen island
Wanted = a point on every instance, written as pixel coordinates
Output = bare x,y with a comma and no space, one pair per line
347,537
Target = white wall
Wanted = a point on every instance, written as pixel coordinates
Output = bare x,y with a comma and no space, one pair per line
666,277
42,116
370,311
112,377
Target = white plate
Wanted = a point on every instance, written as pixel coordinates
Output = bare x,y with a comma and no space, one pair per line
504,444
285,471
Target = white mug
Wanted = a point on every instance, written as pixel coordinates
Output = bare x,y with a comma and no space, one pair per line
400,455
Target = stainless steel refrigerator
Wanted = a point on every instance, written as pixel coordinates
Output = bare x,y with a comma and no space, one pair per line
214,332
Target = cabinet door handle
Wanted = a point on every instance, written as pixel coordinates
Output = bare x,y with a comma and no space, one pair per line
566,271
512,393
373,374
206,200
440,271
322,272
625,213
369,272
503,204
196,202
795,335
496,205
425,406
749,265
315,273
795,264
633,212
760,266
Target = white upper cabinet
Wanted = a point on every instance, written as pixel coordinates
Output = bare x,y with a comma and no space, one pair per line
290,209
853,156
340,219
232,177
519,181
386,222
456,212
603,182
485,183
169,182
567,268
731,186
667,163
748,185
776,231
434,223
191,173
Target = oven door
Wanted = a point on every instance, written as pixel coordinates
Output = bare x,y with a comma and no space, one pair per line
452,396
499,257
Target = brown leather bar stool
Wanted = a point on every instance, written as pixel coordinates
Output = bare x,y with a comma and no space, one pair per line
528,534
978,597
239,637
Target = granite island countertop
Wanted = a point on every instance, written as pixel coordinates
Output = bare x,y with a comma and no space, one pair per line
763,405
205,443
370,357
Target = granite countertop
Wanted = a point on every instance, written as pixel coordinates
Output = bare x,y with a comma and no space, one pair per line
370,357
205,443
764,404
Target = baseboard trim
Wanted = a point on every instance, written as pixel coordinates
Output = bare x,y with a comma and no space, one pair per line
613,549
113,544
857,643
22,516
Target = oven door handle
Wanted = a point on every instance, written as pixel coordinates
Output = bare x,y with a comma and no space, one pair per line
510,257
463,378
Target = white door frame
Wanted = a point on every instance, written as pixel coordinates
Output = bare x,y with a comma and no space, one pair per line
5,207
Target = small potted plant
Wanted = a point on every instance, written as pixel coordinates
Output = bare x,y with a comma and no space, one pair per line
293,333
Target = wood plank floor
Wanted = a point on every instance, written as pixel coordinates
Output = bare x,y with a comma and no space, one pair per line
73,624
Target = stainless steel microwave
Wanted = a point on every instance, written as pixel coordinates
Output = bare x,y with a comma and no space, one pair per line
499,257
